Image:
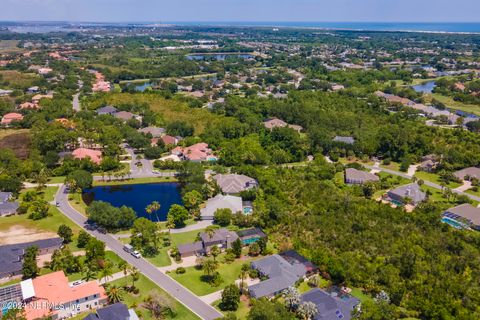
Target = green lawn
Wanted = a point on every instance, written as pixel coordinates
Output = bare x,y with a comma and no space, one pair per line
392,166
162,259
449,102
192,277
358,293
475,193
435,178
242,311
60,179
184,237
134,181
145,286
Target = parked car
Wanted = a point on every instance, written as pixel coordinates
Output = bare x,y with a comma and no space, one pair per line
136,254
102,230
78,282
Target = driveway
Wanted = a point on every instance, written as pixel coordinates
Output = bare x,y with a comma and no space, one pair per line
176,290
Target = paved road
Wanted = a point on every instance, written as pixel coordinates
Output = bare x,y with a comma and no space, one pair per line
145,170
428,183
76,100
176,290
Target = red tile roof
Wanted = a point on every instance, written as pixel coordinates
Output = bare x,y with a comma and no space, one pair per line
94,155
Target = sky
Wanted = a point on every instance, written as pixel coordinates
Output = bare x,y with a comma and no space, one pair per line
241,10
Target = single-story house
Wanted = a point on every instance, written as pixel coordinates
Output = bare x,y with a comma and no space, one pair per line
283,271
191,249
8,118
329,305
354,176
197,153
116,311
428,165
411,191
154,131
8,208
221,237
221,202
11,255
277,123
125,116
252,235
169,140
235,183
94,155
465,214
468,173
345,140
107,110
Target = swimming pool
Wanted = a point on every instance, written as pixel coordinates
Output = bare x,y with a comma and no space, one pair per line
247,210
453,223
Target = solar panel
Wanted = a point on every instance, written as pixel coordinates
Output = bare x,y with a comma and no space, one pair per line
10,294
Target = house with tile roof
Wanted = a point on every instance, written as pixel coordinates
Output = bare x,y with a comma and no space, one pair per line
82,153
197,153
51,294
11,117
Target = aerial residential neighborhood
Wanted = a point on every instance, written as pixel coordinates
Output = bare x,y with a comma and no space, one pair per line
238,160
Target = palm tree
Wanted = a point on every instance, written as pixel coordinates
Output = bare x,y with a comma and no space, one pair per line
88,273
215,251
210,231
106,272
115,294
170,225
135,275
243,274
153,207
209,267
122,265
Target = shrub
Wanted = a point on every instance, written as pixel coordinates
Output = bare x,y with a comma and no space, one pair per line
180,270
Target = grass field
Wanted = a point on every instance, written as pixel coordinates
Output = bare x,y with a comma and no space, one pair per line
18,80
449,102
242,311
16,140
9,46
435,178
168,110
192,278
133,181
146,286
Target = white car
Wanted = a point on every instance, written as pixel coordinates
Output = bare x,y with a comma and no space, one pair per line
136,254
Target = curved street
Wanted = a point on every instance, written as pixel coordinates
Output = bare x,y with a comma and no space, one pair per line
176,290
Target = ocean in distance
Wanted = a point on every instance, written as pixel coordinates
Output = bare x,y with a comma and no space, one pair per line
453,27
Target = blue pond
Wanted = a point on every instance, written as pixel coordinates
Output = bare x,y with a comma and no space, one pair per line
138,196
426,87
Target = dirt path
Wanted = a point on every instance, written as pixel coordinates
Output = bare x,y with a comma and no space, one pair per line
20,234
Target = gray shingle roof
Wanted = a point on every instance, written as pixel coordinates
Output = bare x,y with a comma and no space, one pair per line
411,191
154,131
221,202
117,311
281,275
11,255
196,247
5,196
466,211
472,172
330,307
220,235
107,110
347,140
355,176
7,208
235,183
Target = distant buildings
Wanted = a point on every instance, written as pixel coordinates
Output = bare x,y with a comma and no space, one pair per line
10,118
234,183
277,123
354,176
154,131
107,110
345,140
